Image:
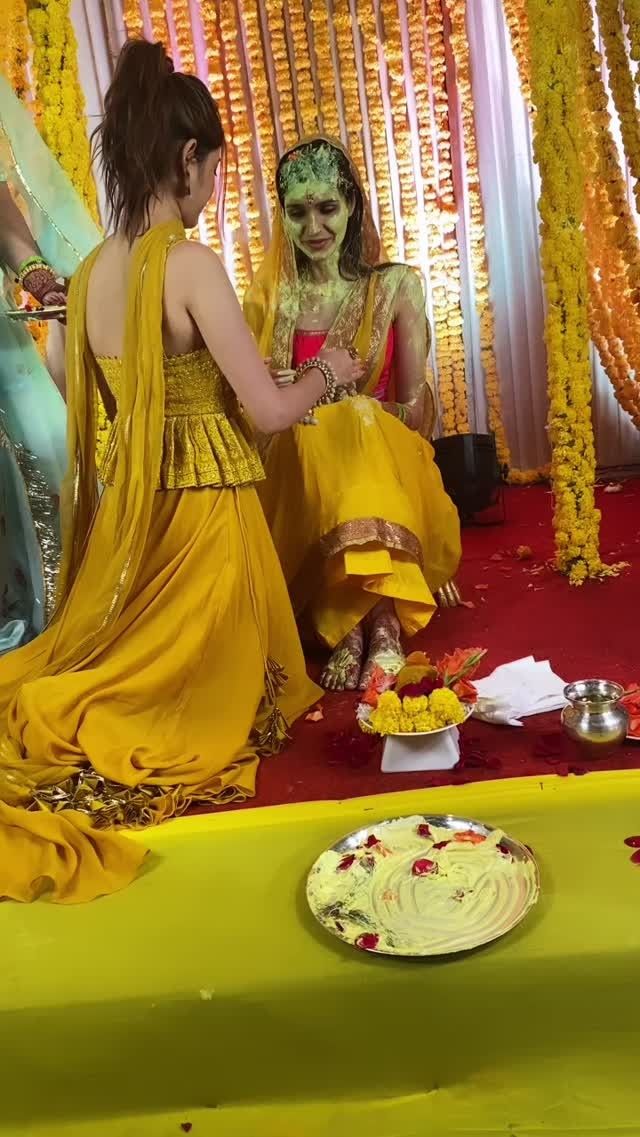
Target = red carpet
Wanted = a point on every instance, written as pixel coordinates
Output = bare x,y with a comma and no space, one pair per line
521,608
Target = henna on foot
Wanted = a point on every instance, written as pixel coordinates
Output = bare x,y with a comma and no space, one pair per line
385,649
343,669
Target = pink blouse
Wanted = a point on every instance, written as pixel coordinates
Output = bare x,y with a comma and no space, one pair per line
308,344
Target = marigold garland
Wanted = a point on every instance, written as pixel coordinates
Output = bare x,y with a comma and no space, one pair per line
262,111
158,20
554,87
302,53
133,20
447,284
349,83
218,87
622,85
515,12
241,134
184,35
377,126
62,121
14,45
328,103
277,39
394,55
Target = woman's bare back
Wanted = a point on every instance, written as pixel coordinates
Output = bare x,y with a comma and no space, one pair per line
107,303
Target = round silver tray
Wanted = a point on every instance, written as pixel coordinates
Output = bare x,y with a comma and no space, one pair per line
388,909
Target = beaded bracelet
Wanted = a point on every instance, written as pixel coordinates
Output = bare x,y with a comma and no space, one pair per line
328,375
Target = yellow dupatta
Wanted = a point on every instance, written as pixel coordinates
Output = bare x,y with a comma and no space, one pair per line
85,609
365,317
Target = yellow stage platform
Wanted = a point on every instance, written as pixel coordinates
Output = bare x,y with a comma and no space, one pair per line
205,996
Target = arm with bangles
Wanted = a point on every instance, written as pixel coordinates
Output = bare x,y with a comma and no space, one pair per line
411,348
20,253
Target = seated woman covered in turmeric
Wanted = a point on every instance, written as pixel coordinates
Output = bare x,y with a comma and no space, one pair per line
364,529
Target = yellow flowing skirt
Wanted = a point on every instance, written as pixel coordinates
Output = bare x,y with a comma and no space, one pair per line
171,706
357,512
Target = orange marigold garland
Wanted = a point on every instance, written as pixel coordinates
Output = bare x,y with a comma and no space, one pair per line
349,83
515,12
184,34
329,112
452,386
302,54
133,20
394,56
159,29
262,111
218,86
241,134
622,85
277,39
377,126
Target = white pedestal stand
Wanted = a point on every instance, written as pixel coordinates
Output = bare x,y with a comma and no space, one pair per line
406,753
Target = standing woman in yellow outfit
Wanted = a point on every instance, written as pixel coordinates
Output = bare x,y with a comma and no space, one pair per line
375,535
172,661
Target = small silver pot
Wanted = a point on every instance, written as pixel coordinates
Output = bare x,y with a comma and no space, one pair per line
594,717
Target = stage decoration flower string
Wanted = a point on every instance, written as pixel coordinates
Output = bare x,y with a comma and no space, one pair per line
349,83
622,85
133,19
158,21
554,89
515,12
277,39
302,52
452,385
60,97
329,113
261,99
184,34
393,51
241,135
377,127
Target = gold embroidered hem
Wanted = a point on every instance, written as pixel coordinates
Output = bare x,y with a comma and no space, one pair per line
43,509
371,531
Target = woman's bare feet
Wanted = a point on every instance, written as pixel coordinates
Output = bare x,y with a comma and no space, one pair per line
343,669
385,649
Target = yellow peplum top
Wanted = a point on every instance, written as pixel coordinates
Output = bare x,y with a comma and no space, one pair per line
205,439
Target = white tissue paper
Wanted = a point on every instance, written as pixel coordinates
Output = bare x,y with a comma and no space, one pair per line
406,753
519,689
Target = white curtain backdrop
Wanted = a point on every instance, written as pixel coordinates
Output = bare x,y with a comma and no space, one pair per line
510,189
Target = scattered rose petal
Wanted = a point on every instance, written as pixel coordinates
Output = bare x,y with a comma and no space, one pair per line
423,867
424,831
468,837
632,842
346,862
186,1126
466,604
524,553
316,715
635,857
481,587
371,842
496,557
506,852
441,844
368,941
613,487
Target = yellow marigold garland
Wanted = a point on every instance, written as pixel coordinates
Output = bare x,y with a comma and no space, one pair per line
277,39
452,386
349,83
62,121
329,113
302,53
554,87
394,56
377,125
14,45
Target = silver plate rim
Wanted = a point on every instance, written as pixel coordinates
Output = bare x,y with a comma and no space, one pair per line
444,821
